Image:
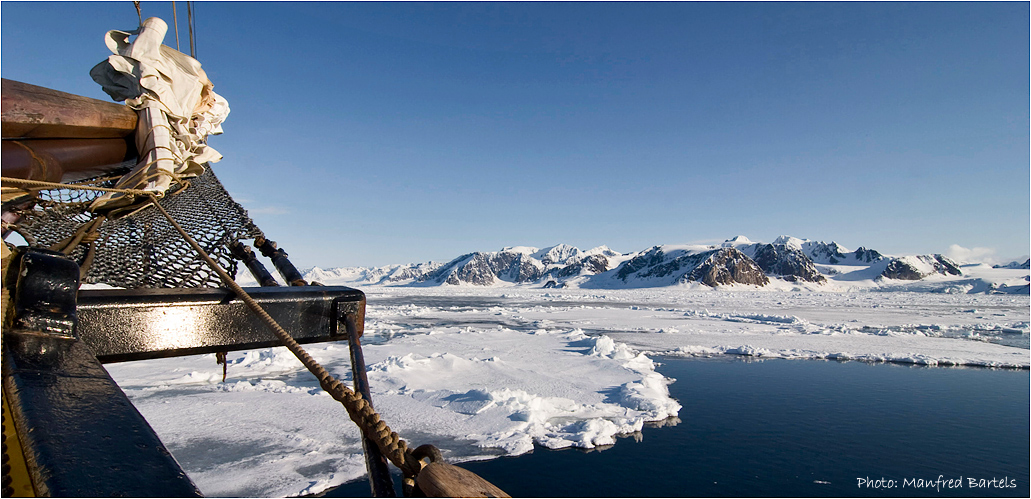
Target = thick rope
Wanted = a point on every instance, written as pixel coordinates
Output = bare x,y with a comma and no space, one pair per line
87,233
359,409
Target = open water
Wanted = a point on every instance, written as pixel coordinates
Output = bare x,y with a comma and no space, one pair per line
801,428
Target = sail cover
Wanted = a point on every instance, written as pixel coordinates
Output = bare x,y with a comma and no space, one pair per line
175,102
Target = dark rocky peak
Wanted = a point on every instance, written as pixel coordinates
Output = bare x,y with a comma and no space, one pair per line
486,268
727,266
900,269
867,255
943,265
912,268
713,267
585,265
654,256
788,262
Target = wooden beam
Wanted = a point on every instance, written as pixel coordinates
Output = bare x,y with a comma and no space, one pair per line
30,111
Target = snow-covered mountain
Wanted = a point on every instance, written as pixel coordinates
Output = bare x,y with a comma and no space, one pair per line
1015,265
786,262
668,265
913,268
817,251
520,265
375,275
787,257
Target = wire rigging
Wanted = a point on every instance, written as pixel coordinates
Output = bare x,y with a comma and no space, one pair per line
139,13
175,20
192,26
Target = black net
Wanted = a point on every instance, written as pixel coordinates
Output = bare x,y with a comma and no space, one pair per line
142,249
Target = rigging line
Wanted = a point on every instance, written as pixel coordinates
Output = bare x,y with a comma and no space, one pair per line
192,26
358,408
54,185
175,19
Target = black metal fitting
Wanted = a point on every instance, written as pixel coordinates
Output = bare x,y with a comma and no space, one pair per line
280,260
136,324
380,481
45,295
243,253
80,435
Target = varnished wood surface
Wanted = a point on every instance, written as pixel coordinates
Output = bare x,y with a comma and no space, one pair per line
30,111
444,480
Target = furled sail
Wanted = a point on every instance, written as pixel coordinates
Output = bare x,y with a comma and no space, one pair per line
175,102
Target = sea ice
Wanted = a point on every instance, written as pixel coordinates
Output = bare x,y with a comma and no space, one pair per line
484,372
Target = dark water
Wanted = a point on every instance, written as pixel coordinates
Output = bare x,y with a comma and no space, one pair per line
802,428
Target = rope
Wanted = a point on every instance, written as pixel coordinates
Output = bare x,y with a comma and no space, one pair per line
359,409
55,185
87,233
100,180
91,254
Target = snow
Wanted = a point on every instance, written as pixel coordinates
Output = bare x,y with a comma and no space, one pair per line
735,241
561,253
483,372
790,241
526,250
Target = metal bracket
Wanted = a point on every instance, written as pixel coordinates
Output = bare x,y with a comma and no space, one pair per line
348,313
123,324
45,293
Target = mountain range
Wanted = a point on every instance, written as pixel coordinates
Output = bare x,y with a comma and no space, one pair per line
735,261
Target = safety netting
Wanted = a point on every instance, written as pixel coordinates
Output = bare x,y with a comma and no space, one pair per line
136,246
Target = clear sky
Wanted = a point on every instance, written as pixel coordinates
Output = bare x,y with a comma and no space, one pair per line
377,133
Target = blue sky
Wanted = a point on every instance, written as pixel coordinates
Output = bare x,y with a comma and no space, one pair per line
377,133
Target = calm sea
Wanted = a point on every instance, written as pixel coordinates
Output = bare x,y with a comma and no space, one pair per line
801,428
